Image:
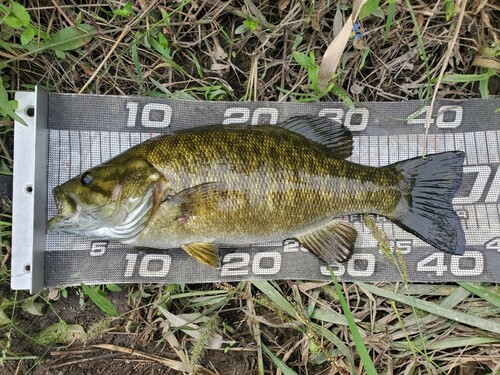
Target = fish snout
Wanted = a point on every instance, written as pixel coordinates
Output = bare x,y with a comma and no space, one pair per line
66,209
65,204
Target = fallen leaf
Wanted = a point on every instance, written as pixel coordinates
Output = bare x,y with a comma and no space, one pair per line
60,333
283,4
331,58
486,63
4,319
32,307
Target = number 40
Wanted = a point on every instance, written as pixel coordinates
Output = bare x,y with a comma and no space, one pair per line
435,263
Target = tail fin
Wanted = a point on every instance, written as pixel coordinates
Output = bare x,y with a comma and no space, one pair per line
425,208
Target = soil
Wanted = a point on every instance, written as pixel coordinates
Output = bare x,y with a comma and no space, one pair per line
77,358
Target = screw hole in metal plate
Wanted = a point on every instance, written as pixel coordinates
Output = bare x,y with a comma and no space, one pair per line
29,189
30,111
27,267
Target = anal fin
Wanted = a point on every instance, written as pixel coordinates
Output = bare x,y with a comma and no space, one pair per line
333,242
206,253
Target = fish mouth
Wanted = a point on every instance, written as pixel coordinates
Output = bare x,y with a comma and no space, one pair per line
67,209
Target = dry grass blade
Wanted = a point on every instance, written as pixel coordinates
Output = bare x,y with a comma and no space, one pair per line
279,364
174,365
255,329
435,309
122,35
460,342
446,59
334,52
482,292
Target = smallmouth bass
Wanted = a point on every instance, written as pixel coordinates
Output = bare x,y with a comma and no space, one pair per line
243,184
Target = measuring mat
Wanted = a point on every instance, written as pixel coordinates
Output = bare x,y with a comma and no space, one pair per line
67,134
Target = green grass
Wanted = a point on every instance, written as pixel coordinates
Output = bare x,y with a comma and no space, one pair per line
368,365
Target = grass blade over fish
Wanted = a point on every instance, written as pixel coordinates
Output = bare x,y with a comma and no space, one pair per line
242,184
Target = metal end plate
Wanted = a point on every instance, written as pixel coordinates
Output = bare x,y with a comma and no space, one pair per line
30,192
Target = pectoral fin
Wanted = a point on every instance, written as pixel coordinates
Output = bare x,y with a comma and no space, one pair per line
198,200
206,253
332,243
199,192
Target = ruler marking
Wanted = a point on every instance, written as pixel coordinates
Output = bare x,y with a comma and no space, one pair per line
373,158
470,148
105,146
84,154
411,144
441,142
460,143
493,215
86,150
388,149
392,150
479,215
474,137
383,150
95,148
102,145
480,139
58,142
124,141
471,219
65,153
357,154
363,146
491,141
81,150
498,139
454,142
135,138
449,142
70,150
75,152
52,165
414,146
403,146
487,216
114,138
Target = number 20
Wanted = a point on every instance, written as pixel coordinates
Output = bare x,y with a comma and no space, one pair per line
237,264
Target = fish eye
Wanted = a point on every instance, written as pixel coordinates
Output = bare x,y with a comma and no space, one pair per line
86,178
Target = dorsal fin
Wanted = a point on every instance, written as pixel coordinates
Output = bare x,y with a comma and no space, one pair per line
336,137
